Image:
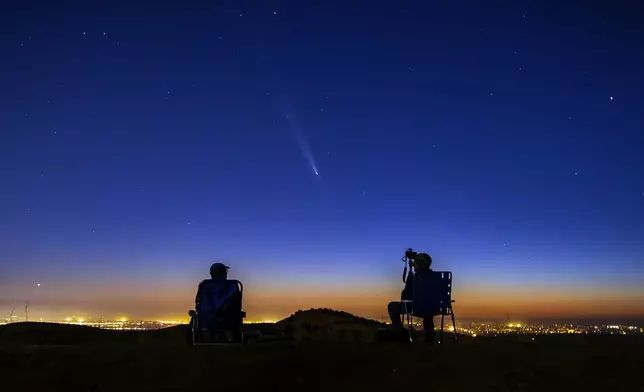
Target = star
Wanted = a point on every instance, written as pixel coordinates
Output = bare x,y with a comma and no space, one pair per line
84,33
569,118
490,94
93,231
611,98
520,69
274,12
321,109
576,173
410,69
241,14
104,33
38,285
189,222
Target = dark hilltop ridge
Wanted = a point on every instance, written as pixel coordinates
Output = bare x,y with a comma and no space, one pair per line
329,325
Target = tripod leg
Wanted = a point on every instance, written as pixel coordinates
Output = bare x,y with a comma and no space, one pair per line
408,317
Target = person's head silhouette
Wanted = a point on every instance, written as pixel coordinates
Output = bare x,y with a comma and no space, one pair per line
219,271
422,262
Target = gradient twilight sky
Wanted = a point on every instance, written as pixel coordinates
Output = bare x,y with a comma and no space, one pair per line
139,143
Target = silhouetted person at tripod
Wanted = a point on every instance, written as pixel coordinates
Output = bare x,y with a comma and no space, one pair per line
421,268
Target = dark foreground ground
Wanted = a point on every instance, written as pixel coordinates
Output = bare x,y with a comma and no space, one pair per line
157,362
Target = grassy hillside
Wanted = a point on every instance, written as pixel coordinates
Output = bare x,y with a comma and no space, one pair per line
548,364
52,357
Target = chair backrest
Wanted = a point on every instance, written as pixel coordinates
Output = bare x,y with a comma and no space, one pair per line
432,293
218,296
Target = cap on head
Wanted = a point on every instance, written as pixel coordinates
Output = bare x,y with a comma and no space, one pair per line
422,261
218,270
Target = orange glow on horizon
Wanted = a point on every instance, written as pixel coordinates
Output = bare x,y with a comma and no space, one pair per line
273,302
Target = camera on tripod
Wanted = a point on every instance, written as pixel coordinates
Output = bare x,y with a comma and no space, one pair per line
410,254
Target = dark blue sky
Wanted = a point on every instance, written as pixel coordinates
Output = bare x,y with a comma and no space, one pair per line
138,143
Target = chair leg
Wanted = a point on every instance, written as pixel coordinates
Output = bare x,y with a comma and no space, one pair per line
193,332
442,326
454,324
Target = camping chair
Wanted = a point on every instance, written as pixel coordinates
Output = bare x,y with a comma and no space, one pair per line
219,313
432,296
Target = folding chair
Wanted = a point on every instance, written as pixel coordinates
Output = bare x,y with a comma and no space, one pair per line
432,296
220,313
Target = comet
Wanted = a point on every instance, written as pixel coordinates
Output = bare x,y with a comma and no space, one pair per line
283,104
299,134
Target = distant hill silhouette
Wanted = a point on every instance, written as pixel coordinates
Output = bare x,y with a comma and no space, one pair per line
307,325
329,325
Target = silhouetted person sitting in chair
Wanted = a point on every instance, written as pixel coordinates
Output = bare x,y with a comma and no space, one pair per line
217,303
419,275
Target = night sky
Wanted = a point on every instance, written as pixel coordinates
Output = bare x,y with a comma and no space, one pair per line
307,144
